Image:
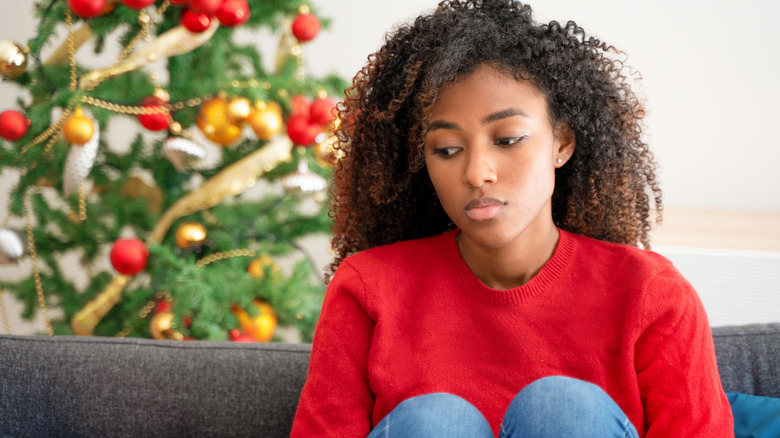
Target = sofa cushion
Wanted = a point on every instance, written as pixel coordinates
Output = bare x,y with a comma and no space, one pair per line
749,358
93,386
755,416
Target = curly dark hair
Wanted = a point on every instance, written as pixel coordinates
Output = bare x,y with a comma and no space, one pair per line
381,192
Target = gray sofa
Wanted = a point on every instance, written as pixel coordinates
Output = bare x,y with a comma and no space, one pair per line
108,387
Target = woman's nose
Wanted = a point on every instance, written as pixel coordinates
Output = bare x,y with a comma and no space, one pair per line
480,168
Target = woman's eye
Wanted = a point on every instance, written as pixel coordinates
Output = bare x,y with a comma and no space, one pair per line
445,152
508,141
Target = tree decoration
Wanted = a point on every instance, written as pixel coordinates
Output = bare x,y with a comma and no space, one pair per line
196,22
260,327
233,12
79,162
300,104
213,120
136,188
183,152
78,129
257,267
239,109
12,246
302,130
322,110
13,59
325,155
266,119
306,26
213,85
157,116
190,235
237,336
13,125
137,4
129,256
87,8
208,7
303,180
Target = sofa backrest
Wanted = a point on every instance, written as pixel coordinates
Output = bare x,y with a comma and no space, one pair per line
749,358
91,386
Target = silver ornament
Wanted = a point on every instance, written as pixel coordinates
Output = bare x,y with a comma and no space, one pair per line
12,246
303,180
183,152
80,160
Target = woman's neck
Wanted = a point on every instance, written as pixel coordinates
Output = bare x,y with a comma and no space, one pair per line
513,265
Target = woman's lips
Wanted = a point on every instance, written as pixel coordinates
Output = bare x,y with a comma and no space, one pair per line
484,208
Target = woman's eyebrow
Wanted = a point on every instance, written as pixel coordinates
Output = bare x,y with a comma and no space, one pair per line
503,114
440,124
496,116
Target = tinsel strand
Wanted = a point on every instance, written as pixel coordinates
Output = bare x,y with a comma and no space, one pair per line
217,256
4,314
36,269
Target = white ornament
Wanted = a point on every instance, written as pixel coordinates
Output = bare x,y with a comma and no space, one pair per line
304,180
12,246
79,162
183,152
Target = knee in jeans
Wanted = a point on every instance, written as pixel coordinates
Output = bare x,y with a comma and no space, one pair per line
433,415
438,405
562,404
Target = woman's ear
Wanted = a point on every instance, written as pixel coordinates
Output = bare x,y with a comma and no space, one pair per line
564,144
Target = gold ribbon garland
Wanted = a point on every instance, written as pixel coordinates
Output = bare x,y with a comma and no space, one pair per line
230,181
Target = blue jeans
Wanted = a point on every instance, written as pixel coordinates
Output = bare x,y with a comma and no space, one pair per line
550,407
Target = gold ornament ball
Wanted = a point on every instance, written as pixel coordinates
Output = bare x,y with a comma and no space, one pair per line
260,327
213,120
325,154
190,235
160,325
256,268
78,128
266,119
13,59
239,109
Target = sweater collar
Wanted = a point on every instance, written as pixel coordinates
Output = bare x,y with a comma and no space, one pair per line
469,283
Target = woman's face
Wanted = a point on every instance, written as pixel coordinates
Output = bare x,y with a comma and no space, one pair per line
491,154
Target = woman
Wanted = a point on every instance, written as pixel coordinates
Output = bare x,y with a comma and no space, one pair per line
487,282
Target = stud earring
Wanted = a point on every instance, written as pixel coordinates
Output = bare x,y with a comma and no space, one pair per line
559,161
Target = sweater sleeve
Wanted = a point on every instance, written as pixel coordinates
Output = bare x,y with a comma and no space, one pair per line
675,362
336,400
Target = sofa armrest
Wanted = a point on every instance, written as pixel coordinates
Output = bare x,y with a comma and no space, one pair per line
749,358
97,386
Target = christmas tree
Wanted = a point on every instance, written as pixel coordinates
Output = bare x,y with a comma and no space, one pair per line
225,173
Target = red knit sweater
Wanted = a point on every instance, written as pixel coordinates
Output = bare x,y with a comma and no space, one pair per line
410,318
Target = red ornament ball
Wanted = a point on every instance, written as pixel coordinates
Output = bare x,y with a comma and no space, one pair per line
300,104
321,110
302,130
195,21
233,12
179,2
129,256
305,27
208,7
137,4
237,336
87,8
13,125
155,121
